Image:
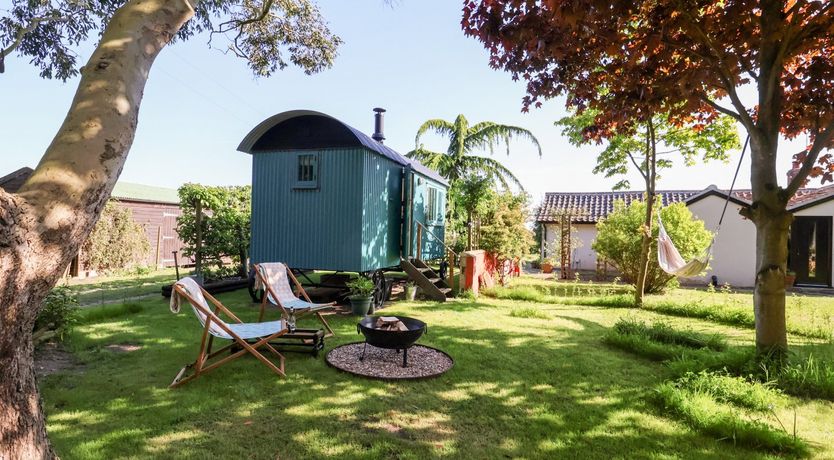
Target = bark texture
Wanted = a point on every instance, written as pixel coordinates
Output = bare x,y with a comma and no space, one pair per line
768,213
650,176
44,224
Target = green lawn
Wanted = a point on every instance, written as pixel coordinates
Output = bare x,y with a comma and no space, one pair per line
120,287
531,380
807,315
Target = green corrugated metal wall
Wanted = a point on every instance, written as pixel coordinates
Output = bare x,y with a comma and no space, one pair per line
317,228
382,195
352,222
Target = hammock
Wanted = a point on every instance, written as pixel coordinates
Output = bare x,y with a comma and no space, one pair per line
668,256
670,259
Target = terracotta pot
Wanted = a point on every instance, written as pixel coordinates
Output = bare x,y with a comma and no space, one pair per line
547,268
789,280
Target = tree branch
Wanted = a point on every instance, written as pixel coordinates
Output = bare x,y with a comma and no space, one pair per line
820,142
720,108
238,24
18,39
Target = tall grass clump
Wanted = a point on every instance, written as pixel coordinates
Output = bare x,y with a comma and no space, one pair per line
528,312
733,390
736,361
643,346
661,332
716,313
696,402
808,377
105,312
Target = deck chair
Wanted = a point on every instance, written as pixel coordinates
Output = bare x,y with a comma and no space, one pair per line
274,278
250,336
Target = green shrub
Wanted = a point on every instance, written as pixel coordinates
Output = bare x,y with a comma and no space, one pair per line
224,225
619,240
58,315
117,242
360,287
528,312
701,411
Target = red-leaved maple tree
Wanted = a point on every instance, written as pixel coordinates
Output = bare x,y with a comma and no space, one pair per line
693,59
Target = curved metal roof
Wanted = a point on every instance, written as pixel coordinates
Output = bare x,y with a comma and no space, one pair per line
248,142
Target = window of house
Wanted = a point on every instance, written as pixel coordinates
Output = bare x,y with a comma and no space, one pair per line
307,174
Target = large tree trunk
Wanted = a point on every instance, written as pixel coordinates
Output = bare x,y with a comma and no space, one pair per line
768,213
42,227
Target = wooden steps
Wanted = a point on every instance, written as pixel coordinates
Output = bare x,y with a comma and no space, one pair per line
429,282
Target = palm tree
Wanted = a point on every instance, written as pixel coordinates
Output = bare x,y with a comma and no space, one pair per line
460,159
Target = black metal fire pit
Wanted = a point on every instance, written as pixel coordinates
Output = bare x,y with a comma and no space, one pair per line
391,339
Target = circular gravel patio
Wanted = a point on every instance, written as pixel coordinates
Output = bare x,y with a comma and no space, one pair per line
423,362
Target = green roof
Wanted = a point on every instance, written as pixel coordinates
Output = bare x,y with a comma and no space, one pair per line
139,192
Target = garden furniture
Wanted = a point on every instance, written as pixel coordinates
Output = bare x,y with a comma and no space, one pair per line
239,333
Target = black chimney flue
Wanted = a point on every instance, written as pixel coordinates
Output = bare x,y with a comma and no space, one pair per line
379,125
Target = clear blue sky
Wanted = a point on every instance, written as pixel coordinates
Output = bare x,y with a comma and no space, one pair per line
410,58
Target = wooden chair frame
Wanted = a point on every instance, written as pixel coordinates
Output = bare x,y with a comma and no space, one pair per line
200,365
270,291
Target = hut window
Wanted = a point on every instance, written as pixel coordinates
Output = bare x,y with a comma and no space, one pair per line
307,175
434,205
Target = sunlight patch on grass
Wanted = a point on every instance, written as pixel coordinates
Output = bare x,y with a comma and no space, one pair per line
162,443
325,444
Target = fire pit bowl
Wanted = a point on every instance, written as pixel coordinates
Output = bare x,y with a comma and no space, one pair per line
391,339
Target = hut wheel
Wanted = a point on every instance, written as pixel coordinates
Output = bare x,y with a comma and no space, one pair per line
379,288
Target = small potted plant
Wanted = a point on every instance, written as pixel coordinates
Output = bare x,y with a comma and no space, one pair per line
410,291
547,265
361,295
790,278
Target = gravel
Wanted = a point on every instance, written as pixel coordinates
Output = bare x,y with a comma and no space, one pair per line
380,363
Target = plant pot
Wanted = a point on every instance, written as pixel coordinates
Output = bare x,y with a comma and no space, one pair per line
410,292
547,268
789,280
360,305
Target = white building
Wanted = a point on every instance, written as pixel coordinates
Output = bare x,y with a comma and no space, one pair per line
734,251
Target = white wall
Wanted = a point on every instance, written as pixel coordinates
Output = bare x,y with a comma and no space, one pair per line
823,209
583,257
734,250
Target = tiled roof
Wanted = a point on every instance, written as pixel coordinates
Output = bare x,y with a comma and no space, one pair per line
807,196
11,182
591,207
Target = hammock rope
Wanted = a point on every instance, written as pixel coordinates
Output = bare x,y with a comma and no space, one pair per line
668,256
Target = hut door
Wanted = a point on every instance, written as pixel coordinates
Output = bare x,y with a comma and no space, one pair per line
810,250
407,213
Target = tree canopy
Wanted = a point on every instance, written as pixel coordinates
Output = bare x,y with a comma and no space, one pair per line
630,60
690,143
268,34
688,59
461,158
